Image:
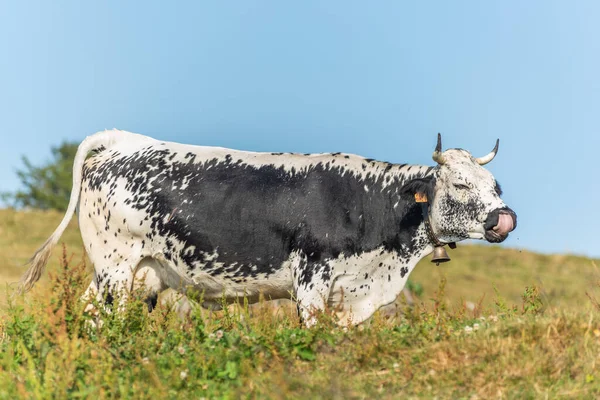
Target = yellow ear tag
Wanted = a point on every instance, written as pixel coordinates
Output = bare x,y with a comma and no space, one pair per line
420,197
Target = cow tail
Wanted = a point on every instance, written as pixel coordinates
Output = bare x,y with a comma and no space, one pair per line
38,261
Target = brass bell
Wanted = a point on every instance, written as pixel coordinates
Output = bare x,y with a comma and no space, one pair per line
439,255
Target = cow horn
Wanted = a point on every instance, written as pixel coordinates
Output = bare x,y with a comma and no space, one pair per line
437,154
489,157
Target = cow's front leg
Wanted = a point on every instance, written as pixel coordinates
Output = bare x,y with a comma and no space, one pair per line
312,284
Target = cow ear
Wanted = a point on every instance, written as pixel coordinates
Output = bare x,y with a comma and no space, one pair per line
421,189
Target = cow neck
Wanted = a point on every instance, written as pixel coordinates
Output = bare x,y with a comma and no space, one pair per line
439,253
407,172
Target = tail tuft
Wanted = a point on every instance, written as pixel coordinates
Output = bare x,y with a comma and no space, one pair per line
37,263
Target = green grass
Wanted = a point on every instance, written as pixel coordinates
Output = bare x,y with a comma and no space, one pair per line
530,332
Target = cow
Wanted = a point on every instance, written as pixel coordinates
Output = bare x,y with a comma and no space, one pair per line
330,231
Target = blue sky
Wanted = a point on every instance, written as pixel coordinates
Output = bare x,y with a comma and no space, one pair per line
379,79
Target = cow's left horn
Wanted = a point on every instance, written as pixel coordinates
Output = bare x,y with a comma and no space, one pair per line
487,158
437,154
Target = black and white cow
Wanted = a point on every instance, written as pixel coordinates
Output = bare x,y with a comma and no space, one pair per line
329,230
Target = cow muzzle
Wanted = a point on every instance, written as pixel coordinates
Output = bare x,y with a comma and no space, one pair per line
499,224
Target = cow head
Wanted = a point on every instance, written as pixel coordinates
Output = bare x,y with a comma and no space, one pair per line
464,198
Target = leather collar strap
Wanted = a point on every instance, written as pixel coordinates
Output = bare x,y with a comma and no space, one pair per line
429,230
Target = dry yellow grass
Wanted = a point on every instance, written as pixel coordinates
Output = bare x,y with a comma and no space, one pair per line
475,271
21,233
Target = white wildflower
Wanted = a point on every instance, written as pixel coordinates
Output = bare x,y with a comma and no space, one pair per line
468,329
183,374
181,350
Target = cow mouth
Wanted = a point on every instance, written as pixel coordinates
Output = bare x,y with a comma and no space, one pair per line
499,224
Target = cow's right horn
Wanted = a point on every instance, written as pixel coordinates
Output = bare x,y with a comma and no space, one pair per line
437,154
489,157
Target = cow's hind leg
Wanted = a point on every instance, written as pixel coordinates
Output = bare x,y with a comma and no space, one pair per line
90,293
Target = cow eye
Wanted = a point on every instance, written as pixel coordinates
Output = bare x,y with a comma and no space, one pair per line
461,186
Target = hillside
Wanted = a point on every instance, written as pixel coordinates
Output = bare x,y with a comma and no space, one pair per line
472,275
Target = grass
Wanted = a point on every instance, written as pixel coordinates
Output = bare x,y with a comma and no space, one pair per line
492,323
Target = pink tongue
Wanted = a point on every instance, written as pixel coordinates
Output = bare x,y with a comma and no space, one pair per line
505,224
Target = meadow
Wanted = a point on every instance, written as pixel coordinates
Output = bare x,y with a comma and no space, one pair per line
492,323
